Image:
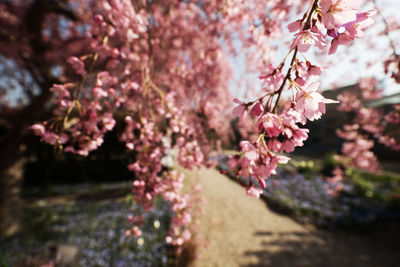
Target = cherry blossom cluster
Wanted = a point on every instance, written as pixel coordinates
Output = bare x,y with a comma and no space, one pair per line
278,127
171,190
158,69
278,133
85,104
368,123
169,186
357,149
342,21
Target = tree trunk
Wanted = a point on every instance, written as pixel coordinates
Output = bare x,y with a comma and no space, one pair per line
10,199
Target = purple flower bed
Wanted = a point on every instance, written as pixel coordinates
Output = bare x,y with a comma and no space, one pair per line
98,230
305,197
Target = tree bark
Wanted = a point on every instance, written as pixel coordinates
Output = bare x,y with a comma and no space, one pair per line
16,121
10,199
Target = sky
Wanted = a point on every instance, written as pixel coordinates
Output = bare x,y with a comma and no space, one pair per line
342,70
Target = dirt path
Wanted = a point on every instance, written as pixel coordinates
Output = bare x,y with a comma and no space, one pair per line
242,231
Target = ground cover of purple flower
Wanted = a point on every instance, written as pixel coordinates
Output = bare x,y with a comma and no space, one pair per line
300,192
97,228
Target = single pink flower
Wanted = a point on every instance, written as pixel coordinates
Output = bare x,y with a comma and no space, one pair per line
136,231
257,110
130,146
50,138
287,146
60,90
77,65
299,136
334,47
311,103
271,123
338,12
38,129
305,39
239,111
253,191
295,26
274,144
250,150
105,79
363,21
273,78
98,92
108,121
313,70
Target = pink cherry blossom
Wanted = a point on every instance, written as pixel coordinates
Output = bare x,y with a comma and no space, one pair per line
254,192
295,26
363,21
250,151
273,78
305,39
257,109
271,123
98,92
338,12
38,129
240,110
311,103
60,90
77,65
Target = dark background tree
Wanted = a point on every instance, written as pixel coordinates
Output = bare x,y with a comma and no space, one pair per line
29,67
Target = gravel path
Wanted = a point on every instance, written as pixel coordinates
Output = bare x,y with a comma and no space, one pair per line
242,231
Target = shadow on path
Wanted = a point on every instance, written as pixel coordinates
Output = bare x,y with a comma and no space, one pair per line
379,247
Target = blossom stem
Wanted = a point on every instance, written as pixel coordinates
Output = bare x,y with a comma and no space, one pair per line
387,32
285,79
306,26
